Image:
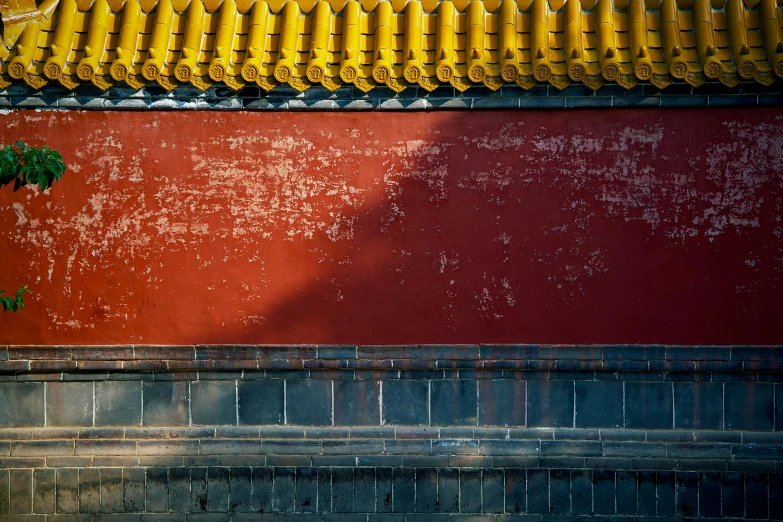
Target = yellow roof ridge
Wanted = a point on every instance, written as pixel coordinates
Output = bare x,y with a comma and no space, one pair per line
396,44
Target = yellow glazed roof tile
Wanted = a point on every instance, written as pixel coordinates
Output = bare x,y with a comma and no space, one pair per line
367,43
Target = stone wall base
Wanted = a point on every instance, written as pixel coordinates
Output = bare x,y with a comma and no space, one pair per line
473,433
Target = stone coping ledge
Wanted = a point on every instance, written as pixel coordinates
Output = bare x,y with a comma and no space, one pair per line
350,361
462,452
634,352
393,432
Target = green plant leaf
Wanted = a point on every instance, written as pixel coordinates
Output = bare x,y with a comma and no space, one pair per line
30,166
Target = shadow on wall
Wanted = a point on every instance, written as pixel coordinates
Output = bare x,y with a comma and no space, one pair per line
383,228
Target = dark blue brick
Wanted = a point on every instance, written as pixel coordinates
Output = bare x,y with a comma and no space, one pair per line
89,490
502,402
770,99
179,490
262,488
426,490
599,404
603,491
495,103
68,404
560,491
581,492
626,492
22,492
687,489
492,491
356,403
551,102
404,490
384,481
283,495
324,490
165,403
260,402
198,490
448,490
749,406
68,491
565,447
306,490
666,493
405,402
756,495
779,409
636,101
550,403
733,495
589,101
117,403
132,488
648,405
342,490
647,495
213,402
21,404
5,475
364,490
470,491
709,494
44,481
538,491
684,101
698,406
453,403
218,489
240,487
776,496
309,402
516,487
157,490
336,352
718,100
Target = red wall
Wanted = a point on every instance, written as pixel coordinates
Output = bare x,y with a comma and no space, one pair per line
620,226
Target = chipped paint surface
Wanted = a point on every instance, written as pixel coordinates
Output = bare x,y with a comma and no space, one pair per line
646,226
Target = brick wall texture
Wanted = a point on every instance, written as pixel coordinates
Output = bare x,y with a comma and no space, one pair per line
473,433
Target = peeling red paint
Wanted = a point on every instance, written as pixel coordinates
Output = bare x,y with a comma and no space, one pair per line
619,226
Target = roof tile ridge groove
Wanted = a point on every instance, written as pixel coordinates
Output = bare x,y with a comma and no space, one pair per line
237,43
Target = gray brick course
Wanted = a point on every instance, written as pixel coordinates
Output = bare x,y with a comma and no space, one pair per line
44,499
111,490
309,402
453,402
69,404
213,402
165,404
89,490
261,402
21,404
118,403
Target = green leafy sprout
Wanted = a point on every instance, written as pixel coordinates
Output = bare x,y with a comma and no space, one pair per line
25,165
13,302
